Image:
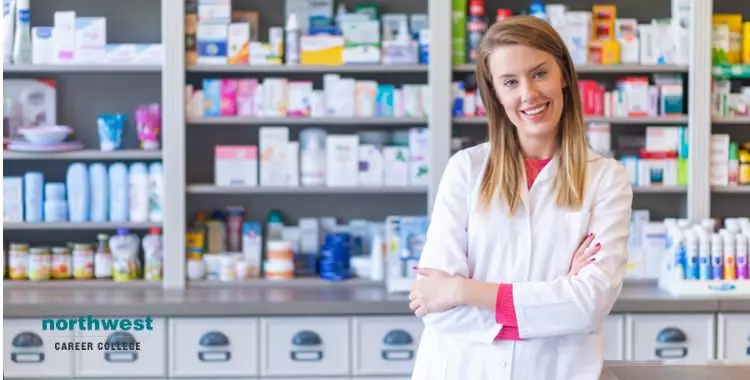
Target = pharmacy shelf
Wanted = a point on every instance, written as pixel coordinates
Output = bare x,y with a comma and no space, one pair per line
299,282
613,69
283,69
659,190
272,190
730,189
20,226
737,120
308,121
85,155
81,284
662,120
82,69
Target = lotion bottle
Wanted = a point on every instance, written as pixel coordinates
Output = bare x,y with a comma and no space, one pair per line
22,40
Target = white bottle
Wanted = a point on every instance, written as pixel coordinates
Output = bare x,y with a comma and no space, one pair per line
99,192
292,43
312,157
118,192
730,272
704,255
692,268
156,192
139,192
9,22
717,257
22,40
153,255
78,192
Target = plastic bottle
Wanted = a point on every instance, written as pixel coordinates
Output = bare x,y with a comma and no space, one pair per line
692,271
730,272
153,255
99,192
312,157
9,23
274,226
679,254
103,258
22,40
292,43
734,164
704,255
742,251
139,192
118,192
537,9
377,256
156,192
78,192
717,257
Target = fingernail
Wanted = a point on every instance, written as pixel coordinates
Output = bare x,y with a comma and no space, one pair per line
598,245
415,268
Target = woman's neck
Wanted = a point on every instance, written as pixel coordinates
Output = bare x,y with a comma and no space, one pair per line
538,149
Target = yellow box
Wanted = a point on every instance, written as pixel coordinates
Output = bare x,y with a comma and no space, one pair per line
604,52
746,43
321,50
734,22
603,22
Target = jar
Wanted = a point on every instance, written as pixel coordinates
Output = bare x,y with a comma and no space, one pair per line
39,264
18,261
279,264
744,167
83,261
62,263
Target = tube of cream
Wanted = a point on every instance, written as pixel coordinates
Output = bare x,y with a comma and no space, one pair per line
22,41
9,21
110,128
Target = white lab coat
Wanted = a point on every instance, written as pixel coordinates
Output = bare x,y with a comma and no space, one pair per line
559,316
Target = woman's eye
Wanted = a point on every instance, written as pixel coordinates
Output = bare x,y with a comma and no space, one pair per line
509,83
540,74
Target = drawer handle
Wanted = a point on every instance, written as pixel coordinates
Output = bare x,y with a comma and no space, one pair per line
671,343
121,356
217,347
29,348
306,338
397,338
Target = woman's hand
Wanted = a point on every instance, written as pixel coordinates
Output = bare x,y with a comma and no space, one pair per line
584,255
437,291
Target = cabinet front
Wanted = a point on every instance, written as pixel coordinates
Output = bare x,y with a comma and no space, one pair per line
734,337
305,347
134,352
32,350
613,334
213,347
671,337
385,345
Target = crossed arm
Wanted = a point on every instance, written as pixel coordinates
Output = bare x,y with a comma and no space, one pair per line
452,303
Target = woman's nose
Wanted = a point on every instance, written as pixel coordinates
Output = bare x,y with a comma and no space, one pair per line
529,93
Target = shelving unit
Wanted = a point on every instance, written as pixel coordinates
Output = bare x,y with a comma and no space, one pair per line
188,142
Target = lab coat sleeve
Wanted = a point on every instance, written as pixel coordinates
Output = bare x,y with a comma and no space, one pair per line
579,304
445,249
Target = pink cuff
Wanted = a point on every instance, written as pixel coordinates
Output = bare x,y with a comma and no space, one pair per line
505,310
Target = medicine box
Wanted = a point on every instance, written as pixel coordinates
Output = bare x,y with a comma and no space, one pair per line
396,166
419,156
236,166
273,156
370,166
90,39
212,42
342,160
43,45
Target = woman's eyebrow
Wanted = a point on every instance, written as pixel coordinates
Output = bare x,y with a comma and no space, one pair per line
510,75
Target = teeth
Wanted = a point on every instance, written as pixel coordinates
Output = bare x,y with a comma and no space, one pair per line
535,111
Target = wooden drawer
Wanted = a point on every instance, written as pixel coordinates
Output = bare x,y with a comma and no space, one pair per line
213,347
385,345
30,351
302,346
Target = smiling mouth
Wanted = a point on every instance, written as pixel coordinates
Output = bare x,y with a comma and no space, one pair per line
531,111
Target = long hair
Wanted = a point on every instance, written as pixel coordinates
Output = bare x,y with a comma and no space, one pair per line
505,167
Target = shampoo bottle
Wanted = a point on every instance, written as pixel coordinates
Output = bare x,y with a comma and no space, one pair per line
139,192
99,201
118,192
152,253
78,192
156,192
292,42
22,40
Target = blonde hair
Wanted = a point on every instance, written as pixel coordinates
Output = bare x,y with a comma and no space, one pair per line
505,167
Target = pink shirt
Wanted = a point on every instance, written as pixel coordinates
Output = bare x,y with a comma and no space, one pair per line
505,311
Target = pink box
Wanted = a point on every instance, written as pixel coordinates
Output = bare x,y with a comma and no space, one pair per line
246,89
228,97
236,165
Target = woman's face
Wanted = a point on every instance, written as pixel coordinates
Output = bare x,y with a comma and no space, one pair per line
529,84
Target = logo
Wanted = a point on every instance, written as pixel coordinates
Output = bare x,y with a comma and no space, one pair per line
112,336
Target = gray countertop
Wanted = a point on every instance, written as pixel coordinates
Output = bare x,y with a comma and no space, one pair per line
309,298
657,371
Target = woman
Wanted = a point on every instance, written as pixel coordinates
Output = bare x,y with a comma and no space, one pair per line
527,241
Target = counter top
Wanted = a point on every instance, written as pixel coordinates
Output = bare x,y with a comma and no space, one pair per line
279,299
621,370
